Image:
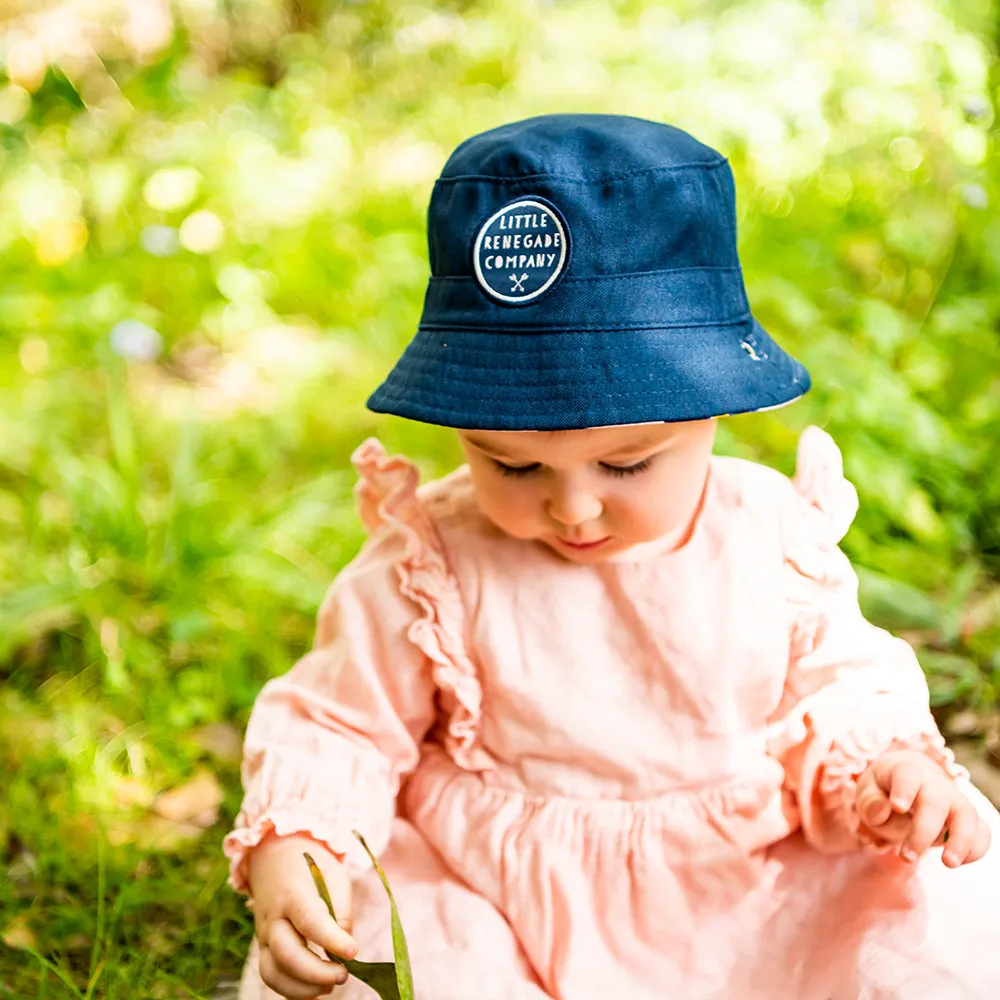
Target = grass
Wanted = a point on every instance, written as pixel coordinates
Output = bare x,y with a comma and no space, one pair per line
178,570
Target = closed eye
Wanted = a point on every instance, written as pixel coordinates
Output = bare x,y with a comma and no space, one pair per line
626,470
515,470
614,470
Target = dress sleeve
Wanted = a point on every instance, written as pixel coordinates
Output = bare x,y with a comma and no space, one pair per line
853,691
328,743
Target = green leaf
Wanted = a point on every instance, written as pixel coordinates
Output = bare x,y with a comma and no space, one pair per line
404,976
379,976
390,980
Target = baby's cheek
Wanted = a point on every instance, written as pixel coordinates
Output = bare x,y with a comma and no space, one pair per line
510,511
643,523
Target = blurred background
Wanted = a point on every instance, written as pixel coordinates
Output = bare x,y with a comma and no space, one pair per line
211,249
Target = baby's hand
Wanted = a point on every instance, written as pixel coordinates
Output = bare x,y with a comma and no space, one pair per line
288,912
905,798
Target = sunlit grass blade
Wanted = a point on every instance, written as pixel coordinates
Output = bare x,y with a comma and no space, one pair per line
404,976
55,970
379,976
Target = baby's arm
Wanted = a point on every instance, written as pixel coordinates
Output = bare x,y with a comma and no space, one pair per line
328,742
853,692
326,747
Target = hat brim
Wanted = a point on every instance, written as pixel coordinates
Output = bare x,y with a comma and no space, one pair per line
565,381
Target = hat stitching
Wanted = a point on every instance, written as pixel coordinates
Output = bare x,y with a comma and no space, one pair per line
504,391
572,179
506,394
650,397
469,353
580,327
622,276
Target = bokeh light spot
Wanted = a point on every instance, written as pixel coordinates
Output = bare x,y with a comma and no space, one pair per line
172,188
59,241
906,153
34,355
202,232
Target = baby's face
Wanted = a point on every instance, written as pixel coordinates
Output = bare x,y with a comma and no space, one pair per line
590,494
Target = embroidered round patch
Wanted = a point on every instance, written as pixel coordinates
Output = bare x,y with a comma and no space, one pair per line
520,251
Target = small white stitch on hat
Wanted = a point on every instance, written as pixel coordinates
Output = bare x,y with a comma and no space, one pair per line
749,344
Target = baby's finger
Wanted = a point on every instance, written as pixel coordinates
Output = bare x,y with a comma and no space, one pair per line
894,830
981,844
311,920
284,984
873,805
904,787
930,813
961,831
293,957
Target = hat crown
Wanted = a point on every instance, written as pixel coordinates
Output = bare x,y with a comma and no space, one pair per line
637,196
582,147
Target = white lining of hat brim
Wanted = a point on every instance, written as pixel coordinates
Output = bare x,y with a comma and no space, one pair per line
656,423
779,406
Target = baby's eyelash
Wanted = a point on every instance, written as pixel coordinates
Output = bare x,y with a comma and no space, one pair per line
619,471
515,470
626,470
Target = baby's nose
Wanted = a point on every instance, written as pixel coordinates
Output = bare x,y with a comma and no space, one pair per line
572,508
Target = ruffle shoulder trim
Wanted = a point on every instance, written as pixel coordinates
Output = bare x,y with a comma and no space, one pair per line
819,480
824,504
387,497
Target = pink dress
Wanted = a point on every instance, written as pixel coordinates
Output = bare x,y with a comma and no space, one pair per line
632,779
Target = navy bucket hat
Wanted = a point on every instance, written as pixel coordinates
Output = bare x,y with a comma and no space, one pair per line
584,273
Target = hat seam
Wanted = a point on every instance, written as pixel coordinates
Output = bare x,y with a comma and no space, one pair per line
505,394
621,276
454,377
773,398
572,179
655,400
580,327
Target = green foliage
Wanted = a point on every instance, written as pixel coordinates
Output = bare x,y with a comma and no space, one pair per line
390,980
238,197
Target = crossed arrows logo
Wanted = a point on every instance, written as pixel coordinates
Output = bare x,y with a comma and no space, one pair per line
517,284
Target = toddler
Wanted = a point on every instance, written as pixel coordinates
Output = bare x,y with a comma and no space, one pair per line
604,704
